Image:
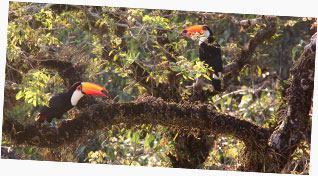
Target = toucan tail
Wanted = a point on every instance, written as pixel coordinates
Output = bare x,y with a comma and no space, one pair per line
216,83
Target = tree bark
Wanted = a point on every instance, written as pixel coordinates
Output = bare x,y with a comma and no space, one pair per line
144,110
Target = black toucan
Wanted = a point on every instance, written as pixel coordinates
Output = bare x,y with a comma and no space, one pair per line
208,52
62,102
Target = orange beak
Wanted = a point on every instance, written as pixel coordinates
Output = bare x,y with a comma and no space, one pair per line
192,30
94,89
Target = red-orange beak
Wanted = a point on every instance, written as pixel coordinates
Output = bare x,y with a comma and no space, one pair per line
94,89
193,30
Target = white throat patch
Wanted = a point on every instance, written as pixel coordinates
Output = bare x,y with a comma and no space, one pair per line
77,95
217,77
204,36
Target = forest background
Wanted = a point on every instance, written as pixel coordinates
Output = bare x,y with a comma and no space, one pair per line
114,59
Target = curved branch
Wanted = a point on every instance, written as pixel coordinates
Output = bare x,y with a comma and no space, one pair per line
145,110
264,34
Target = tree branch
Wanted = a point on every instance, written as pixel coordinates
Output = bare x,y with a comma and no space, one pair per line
145,110
266,33
140,74
296,121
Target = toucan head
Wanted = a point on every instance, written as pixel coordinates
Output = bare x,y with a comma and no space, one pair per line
202,30
80,89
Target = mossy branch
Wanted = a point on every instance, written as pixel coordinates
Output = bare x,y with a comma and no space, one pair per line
145,110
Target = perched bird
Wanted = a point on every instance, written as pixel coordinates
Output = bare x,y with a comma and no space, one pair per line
62,102
208,52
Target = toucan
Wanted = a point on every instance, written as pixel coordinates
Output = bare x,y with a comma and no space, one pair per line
208,52
60,103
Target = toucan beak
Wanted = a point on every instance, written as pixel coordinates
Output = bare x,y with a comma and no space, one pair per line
192,30
94,89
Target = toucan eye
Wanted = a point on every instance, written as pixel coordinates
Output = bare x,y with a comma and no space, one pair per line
78,88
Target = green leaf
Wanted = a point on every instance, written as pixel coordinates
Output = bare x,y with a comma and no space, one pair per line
246,71
34,102
110,53
229,101
30,100
128,134
19,95
115,57
150,140
207,77
259,71
135,138
198,75
185,77
160,156
147,79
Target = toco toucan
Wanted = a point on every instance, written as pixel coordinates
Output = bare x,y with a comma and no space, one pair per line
62,102
208,52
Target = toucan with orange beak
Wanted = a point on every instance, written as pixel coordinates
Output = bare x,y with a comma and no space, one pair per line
60,103
208,52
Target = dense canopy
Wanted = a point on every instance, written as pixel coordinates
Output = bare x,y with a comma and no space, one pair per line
260,121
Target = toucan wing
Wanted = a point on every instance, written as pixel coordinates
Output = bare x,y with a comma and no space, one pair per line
58,105
211,54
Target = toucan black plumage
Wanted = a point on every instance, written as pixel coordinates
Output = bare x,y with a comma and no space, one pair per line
62,102
208,52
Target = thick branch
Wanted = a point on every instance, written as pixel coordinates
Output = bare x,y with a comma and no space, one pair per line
30,9
296,123
145,110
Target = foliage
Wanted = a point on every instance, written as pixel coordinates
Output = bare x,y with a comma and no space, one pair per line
142,146
107,50
33,92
